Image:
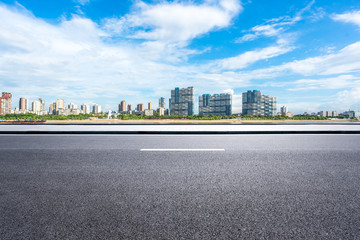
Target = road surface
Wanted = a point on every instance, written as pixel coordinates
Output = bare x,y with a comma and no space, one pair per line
180,186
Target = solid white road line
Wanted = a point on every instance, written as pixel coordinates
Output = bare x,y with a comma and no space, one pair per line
182,150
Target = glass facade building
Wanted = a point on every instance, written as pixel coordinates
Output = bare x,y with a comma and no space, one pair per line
217,104
162,103
182,101
254,103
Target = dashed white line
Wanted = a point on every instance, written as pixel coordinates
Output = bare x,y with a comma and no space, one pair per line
181,150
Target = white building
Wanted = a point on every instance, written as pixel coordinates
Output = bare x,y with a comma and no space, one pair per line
328,114
60,104
161,111
149,112
255,103
36,107
72,106
96,109
85,108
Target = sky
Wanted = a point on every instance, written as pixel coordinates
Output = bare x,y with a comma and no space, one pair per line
306,53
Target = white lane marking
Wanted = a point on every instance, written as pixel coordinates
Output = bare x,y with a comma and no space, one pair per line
181,150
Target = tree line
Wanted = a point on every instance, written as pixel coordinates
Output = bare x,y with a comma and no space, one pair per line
35,117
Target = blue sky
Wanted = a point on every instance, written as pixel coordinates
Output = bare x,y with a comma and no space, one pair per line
307,53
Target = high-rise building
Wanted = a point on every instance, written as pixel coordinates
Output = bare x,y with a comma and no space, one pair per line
122,106
23,104
140,107
283,110
60,104
129,107
36,107
169,112
96,109
182,101
150,105
42,104
354,114
162,103
5,103
85,108
254,103
328,114
161,111
52,108
72,106
324,113
217,104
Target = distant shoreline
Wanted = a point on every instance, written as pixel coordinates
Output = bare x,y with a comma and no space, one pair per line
188,121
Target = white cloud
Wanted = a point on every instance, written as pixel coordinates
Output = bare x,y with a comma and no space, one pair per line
82,2
244,60
231,91
275,27
70,60
342,63
349,17
174,21
268,30
345,61
348,98
76,60
339,82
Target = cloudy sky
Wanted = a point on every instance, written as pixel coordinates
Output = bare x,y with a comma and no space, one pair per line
307,53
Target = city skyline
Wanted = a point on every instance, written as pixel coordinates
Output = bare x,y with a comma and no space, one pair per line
307,53
254,103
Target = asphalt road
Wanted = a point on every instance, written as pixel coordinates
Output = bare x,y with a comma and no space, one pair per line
251,187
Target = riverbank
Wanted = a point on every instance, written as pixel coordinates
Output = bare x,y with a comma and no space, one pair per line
187,121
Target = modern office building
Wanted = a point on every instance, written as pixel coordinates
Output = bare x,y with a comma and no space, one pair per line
85,108
140,107
96,109
36,107
182,101
72,106
162,103
149,105
328,113
23,104
283,110
60,104
129,107
354,114
161,111
324,114
169,106
5,103
52,108
216,104
122,106
42,104
254,103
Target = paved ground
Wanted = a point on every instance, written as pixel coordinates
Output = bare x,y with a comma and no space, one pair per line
104,187
294,127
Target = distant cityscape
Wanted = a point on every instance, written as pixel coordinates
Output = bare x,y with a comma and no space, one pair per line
181,103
